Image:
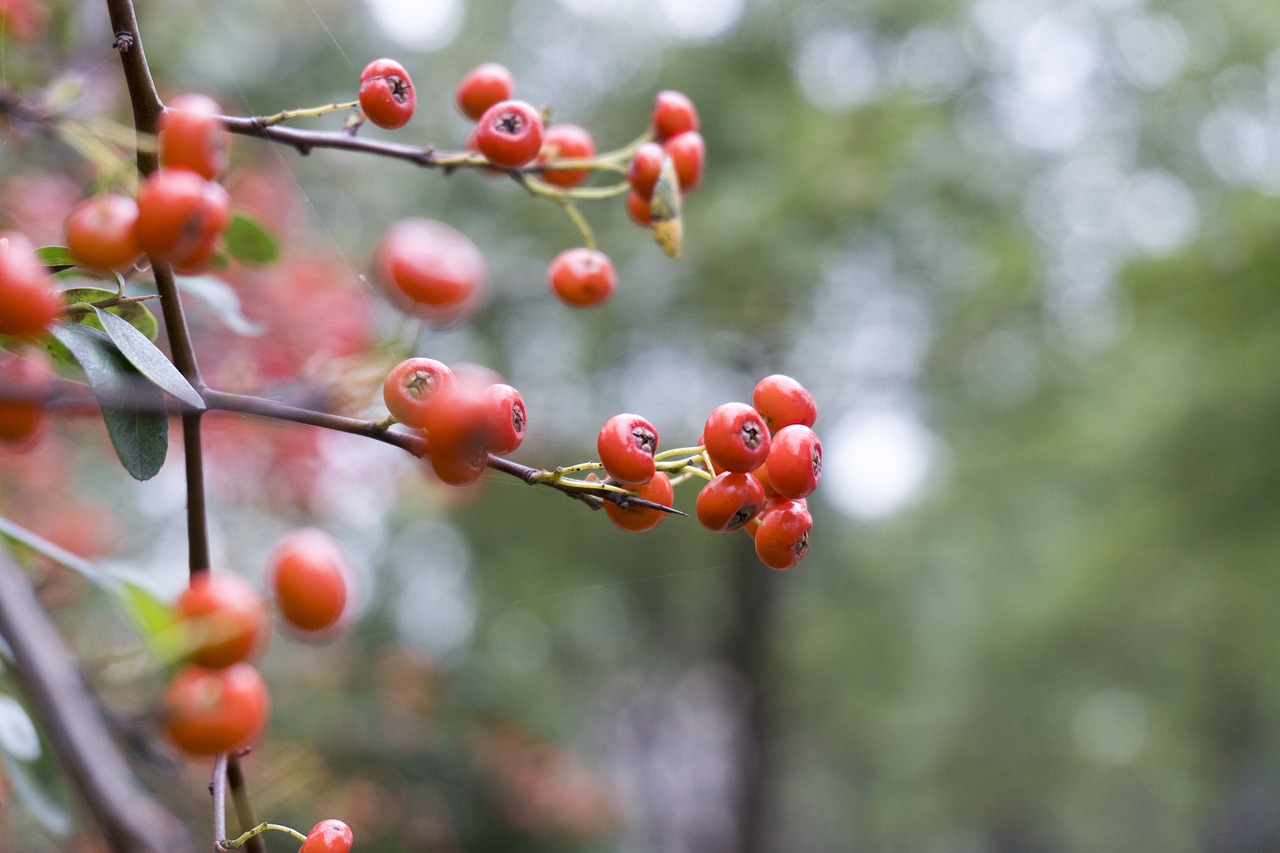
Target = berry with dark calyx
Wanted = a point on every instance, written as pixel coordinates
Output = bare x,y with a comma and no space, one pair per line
784,401
328,836
729,501
180,217
626,444
24,378
309,577
582,277
386,94
28,302
208,711
482,87
430,270
673,114
689,153
639,519
795,461
102,232
412,386
639,210
736,437
507,418
510,134
782,537
566,142
225,618
644,168
193,136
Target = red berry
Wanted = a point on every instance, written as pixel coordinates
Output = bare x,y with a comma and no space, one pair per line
736,437
193,136
28,301
509,134
782,537
639,519
689,153
387,97
430,270
25,377
729,501
180,217
308,574
783,401
566,142
225,618
458,436
626,444
507,418
208,711
482,87
644,169
638,209
328,836
412,385
795,461
673,114
582,277
102,232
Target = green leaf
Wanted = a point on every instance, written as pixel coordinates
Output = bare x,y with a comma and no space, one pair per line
665,211
154,620
151,363
15,532
140,433
55,256
220,298
249,241
136,314
33,773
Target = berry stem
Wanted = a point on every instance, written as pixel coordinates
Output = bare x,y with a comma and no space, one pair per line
307,112
258,830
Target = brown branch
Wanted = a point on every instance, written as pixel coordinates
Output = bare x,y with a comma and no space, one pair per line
131,821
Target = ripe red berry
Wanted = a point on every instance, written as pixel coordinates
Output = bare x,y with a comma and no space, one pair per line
208,711
507,418
673,114
509,134
639,210
308,575
412,386
386,96
180,217
736,437
582,277
328,836
482,87
795,461
783,401
782,537
431,270
24,377
644,168
689,153
458,436
626,444
193,136
28,301
225,618
566,142
639,519
729,501
102,232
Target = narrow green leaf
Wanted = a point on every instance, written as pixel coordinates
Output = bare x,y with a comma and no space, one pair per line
136,314
220,298
665,211
151,363
140,433
55,256
155,621
15,532
249,241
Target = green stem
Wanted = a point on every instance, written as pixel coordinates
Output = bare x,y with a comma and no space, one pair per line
258,830
309,112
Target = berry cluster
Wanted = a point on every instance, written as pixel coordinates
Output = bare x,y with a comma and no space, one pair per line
464,418
217,701
677,146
